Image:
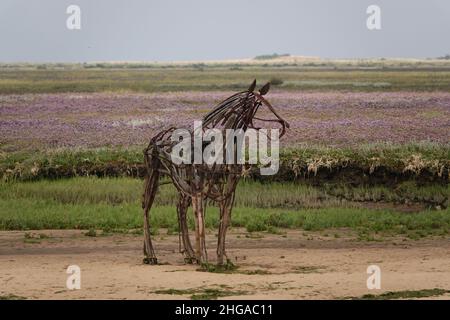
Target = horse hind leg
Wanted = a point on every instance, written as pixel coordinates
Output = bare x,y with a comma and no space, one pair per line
182,208
200,243
151,187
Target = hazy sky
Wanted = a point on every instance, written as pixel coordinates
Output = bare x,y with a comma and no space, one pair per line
220,29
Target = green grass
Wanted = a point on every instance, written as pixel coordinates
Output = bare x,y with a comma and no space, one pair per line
228,267
26,214
308,269
91,233
174,291
114,204
213,294
201,293
314,76
407,294
11,297
407,191
287,195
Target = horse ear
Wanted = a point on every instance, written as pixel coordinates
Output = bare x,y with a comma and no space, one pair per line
265,89
252,86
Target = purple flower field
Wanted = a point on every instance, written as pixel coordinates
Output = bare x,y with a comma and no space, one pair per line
326,118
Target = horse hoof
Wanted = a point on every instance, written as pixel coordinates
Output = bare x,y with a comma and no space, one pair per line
152,261
190,260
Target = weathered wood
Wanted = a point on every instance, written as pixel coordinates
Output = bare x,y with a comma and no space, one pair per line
197,183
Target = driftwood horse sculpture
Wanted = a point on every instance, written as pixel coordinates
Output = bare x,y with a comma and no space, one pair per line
198,183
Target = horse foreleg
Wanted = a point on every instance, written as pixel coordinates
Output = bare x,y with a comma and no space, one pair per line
199,213
187,250
225,218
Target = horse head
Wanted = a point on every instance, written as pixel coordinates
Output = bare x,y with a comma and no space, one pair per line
239,110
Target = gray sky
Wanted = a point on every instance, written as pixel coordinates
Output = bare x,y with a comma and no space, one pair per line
165,30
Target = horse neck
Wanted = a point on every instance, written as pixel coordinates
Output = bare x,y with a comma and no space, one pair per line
230,124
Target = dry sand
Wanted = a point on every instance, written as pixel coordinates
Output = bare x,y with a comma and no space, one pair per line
296,265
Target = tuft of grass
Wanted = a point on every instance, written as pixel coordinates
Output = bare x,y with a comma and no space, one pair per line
91,233
274,230
34,237
174,291
407,294
213,294
256,225
255,272
11,297
202,293
308,269
30,235
228,267
252,235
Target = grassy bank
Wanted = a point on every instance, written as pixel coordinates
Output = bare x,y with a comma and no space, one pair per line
371,164
113,204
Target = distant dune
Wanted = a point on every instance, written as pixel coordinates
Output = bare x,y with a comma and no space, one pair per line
260,60
245,61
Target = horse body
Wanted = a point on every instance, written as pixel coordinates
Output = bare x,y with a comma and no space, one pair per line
198,183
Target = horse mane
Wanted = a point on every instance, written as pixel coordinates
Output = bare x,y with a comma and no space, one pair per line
232,112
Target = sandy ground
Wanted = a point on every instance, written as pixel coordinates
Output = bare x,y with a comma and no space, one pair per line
293,265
